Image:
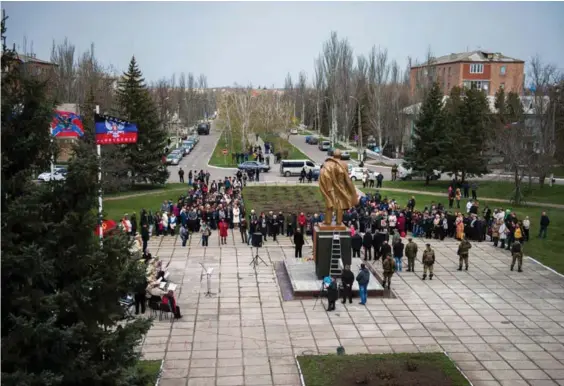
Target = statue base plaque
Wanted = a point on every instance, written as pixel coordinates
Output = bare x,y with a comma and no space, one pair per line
322,246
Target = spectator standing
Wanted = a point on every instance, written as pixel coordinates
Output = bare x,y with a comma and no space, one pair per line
181,175
526,228
347,278
298,242
356,244
363,279
544,223
398,256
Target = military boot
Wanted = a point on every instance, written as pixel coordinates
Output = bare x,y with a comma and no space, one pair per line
512,268
519,270
431,277
466,269
459,268
424,276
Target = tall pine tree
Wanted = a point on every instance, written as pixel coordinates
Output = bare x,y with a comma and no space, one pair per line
429,137
144,158
60,289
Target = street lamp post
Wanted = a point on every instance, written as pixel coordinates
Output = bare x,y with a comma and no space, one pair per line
359,127
333,132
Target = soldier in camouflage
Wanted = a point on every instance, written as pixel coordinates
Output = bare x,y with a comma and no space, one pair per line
388,267
463,250
517,255
428,262
411,253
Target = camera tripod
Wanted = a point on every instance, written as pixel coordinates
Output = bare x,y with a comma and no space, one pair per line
255,261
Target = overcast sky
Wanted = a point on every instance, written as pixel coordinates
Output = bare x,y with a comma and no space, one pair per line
261,42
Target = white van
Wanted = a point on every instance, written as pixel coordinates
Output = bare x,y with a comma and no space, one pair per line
293,167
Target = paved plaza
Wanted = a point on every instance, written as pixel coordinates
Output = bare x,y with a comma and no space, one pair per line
501,327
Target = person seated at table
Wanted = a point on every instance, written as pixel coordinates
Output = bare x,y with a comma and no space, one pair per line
155,293
169,300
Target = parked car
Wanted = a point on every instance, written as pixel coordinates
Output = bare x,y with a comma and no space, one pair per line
324,145
294,131
356,173
173,159
307,138
345,155
59,174
195,138
410,174
294,167
315,173
313,141
178,151
253,165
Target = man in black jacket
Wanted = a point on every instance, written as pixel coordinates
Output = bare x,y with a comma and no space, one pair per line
298,242
347,278
332,295
367,243
385,249
356,244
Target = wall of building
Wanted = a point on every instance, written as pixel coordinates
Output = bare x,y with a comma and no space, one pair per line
512,80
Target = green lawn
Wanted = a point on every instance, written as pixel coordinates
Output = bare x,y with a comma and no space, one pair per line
147,188
489,189
116,208
292,199
151,369
233,145
425,369
281,144
548,252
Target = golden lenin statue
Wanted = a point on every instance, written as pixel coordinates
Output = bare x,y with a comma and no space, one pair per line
337,188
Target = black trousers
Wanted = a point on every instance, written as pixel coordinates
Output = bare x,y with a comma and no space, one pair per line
140,300
182,179
331,305
347,292
244,237
298,251
205,241
356,253
368,253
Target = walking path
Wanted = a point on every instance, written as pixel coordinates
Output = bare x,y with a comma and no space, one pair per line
500,327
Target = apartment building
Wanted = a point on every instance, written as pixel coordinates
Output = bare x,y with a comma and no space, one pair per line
487,71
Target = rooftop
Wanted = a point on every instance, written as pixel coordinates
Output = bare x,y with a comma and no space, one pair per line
474,56
32,59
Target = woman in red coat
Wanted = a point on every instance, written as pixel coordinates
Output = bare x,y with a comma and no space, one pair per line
223,231
302,222
401,225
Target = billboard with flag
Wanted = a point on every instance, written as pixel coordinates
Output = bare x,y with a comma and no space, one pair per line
66,125
114,131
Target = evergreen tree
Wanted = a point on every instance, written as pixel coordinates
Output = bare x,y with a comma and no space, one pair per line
60,289
144,159
476,124
455,136
429,137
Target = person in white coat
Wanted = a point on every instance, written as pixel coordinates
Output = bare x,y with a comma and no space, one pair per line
236,216
502,234
164,221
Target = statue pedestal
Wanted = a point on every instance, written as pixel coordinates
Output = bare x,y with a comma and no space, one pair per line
322,244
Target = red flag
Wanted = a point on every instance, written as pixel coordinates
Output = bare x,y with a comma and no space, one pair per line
107,226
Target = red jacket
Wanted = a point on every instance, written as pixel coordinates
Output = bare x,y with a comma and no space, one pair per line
401,224
223,229
165,300
301,220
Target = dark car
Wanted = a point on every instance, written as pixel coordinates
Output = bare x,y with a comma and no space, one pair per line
253,165
345,155
313,141
315,173
203,129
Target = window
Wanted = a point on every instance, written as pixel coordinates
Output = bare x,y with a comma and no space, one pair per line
477,84
448,70
502,86
502,70
476,68
310,164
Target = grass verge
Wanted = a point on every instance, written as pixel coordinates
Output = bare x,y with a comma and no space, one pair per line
233,145
116,208
146,188
490,189
151,369
424,369
281,144
547,251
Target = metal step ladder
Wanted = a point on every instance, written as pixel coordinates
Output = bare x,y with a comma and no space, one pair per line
335,269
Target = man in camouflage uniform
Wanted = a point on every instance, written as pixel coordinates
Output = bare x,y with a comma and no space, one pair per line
463,250
428,262
411,253
517,254
388,267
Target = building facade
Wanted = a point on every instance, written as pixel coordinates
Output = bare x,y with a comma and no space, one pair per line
483,70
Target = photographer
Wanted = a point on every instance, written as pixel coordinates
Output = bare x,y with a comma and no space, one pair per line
332,294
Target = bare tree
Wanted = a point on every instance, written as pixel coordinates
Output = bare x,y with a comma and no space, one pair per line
65,71
378,74
319,83
302,89
543,77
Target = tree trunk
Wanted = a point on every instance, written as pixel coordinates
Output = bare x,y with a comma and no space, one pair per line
542,177
427,179
463,177
517,187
